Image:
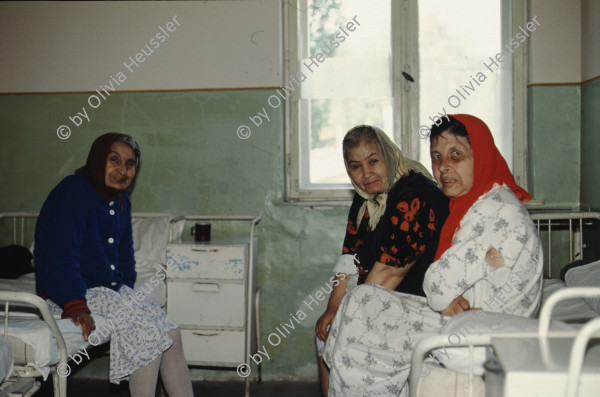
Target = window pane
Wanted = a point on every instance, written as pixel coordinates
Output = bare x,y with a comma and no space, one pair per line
350,86
456,40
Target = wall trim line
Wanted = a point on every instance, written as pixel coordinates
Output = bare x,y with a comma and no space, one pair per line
142,91
557,84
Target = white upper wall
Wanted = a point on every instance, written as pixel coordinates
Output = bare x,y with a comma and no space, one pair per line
79,46
590,39
555,47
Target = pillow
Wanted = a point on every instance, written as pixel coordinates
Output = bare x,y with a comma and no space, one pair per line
461,325
586,276
150,237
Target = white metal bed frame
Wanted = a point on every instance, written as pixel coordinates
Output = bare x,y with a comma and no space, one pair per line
575,221
26,372
59,381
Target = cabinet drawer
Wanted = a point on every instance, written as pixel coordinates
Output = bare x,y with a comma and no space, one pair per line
215,348
206,261
205,303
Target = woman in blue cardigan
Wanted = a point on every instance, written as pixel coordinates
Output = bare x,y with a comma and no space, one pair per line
85,264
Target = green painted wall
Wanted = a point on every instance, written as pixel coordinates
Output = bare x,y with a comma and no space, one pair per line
590,145
192,163
554,125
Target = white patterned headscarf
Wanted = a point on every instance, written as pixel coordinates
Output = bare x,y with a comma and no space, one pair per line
397,167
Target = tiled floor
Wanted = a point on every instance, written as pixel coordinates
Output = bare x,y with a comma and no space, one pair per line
101,388
91,380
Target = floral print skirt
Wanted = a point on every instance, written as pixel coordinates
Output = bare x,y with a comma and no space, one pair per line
137,326
371,341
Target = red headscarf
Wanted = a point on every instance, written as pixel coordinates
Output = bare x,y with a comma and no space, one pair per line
489,168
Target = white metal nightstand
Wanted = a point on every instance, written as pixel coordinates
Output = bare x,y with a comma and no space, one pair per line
211,294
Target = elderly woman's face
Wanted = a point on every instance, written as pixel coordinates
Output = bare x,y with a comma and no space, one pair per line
120,166
366,167
452,163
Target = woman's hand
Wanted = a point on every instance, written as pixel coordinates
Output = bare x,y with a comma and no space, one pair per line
458,305
339,290
387,276
86,321
324,323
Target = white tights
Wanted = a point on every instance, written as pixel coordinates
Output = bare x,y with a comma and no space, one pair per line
173,371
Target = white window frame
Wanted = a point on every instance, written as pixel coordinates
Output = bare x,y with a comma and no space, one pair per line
405,94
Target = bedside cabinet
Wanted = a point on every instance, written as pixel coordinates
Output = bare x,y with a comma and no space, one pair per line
211,295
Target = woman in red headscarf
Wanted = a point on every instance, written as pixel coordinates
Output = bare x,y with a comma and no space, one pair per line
84,263
489,255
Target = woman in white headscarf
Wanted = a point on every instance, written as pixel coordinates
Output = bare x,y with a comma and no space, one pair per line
393,224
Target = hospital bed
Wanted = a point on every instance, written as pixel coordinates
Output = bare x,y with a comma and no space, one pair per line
494,354
37,342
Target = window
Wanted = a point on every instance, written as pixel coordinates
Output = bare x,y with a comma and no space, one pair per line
393,64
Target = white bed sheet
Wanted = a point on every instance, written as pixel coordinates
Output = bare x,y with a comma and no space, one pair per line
575,310
586,276
6,359
36,334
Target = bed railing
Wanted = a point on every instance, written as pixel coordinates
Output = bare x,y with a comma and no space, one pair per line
558,230
22,232
555,226
59,380
22,225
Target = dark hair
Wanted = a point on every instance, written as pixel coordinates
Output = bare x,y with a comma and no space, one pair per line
356,136
450,124
127,139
